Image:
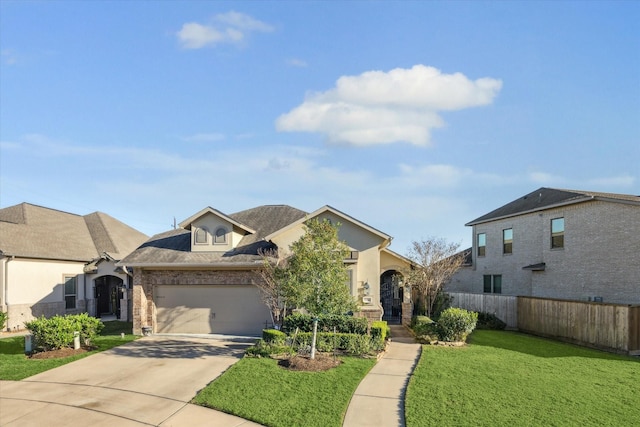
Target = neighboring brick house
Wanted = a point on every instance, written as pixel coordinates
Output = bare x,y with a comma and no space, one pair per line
200,277
562,244
54,262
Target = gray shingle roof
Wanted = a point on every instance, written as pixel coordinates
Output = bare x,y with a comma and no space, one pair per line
547,198
174,247
32,231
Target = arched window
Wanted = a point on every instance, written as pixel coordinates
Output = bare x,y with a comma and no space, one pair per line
201,235
221,236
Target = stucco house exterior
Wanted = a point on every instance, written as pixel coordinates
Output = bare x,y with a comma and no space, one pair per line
559,244
54,262
201,276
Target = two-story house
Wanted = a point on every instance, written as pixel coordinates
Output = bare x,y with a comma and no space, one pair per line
201,277
562,244
56,263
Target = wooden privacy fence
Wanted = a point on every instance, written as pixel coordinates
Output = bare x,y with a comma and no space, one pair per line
613,327
503,306
607,326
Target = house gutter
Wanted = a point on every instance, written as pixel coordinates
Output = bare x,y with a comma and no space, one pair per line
5,280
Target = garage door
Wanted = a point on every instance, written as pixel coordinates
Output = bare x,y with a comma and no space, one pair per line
235,310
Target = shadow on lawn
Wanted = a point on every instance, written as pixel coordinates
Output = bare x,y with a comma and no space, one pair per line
538,346
162,348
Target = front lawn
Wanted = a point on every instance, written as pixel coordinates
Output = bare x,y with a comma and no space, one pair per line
14,365
507,378
259,390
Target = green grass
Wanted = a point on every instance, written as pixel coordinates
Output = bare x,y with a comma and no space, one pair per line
507,378
14,365
259,390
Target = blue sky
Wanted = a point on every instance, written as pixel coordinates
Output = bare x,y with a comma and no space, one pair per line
414,117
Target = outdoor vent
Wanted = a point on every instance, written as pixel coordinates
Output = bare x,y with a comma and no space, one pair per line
595,299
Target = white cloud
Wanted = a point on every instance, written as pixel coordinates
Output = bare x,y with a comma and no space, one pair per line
376,107
9,57
231,27
204,137
295,62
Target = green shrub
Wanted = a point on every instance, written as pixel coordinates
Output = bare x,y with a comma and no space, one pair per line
265,349
424,328
380,332
3,319
489,321
455,324
353,344
274,336
57,332
326,323
441,302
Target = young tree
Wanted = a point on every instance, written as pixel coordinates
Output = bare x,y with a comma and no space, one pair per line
271,283
436,261
315,275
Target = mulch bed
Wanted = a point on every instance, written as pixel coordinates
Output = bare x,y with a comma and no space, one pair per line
56,354
322,362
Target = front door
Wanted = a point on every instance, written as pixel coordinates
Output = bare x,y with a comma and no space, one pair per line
108,294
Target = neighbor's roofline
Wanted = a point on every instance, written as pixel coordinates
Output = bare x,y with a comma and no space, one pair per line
218,266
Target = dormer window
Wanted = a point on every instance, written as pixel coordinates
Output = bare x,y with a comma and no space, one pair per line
220,238
200,236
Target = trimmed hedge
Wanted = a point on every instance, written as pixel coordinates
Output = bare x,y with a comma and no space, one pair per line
274,336
424,327
3,319
57,332
326,323
455,324
353,344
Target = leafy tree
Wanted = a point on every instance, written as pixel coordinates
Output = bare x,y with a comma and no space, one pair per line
436,260
315,275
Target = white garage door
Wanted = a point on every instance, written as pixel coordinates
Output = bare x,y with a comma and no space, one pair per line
234,310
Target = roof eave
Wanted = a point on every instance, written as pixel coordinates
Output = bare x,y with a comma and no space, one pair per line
542,208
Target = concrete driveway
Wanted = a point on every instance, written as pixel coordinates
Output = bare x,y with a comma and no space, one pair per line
146,382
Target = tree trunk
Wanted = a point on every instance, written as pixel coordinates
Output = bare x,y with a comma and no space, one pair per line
313,339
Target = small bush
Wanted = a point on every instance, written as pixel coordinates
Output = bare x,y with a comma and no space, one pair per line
455,324
424,328
264,349
57,332
489,321
274,336
353,344
3,319
326,323
380,332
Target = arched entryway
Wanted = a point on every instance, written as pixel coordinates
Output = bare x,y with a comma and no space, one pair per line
108,293
391,296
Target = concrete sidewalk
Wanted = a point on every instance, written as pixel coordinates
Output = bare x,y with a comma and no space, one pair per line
379,399
148,382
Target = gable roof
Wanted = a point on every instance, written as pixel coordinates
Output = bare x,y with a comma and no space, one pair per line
385,237
186,224
33,231
548,198
173,248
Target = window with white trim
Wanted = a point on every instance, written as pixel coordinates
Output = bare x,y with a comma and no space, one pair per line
200,236
70,292
220,237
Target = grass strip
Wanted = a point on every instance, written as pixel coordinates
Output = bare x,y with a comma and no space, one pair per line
506,378
15,365
258,389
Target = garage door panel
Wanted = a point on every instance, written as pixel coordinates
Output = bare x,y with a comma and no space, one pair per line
235,310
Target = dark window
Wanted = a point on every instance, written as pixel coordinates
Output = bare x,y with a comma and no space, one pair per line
507,241
221,236
482,244
492,283
201,235
557,233
70,292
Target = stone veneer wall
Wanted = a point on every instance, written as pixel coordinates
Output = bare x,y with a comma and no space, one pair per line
144,314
